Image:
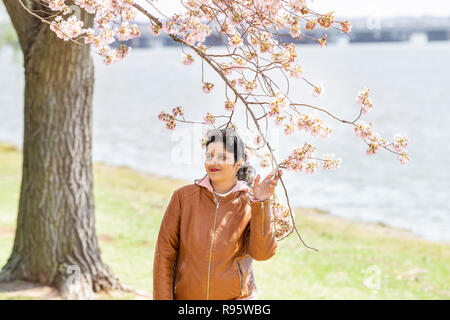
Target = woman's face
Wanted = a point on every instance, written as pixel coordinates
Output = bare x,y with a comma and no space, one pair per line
219,163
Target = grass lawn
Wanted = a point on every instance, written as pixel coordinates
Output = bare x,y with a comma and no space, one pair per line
129,207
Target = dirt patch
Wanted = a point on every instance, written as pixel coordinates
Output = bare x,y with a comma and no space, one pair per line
30,290
105,238
7,232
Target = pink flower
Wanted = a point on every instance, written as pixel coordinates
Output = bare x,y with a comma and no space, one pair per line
249,86
297,5
128,12
295,31
400,142
265,160
89,35
325,132
376,142
207,87
134,32
364,101
155,29
331,163
403,157
229,105
209,118
296,71
57,5
168,119
122,52
106,36
177,111
296,159
169,27
123,33
227,70
188,59
90,6
67,29
311,166
277,104
258,141
279,120
235,41
171,125
363,130
318,90
190,39
346,27
288,129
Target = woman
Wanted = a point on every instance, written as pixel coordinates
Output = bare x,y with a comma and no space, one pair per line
213,229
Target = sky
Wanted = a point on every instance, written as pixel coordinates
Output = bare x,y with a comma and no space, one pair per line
342,8
354,8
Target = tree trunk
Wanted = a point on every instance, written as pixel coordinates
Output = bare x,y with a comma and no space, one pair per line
55,241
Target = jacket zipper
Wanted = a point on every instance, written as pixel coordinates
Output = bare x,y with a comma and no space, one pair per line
210,249
240,278
262,226
179,276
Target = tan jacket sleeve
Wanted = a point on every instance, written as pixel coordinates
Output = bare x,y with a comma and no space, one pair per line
166,250
261,242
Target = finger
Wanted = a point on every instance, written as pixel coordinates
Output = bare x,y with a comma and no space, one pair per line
277,178
274,179
270,175
257,180
280,173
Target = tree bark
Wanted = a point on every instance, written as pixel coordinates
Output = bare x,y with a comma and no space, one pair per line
55,241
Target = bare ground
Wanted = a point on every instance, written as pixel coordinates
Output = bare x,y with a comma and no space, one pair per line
25,290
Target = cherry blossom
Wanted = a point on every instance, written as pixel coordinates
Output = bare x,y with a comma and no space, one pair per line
376,142
67,29
400,142
209,118
207,87
318,90
277,104
329,161
188,59
364,101
229,105
363,130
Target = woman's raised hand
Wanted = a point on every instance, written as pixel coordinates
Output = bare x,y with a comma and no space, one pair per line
263,190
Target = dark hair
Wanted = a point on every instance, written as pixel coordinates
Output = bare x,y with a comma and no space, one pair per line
234,144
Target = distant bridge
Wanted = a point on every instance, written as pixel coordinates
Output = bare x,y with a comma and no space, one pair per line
360,33
399,33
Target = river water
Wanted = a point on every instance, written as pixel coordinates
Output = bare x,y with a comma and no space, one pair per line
409,86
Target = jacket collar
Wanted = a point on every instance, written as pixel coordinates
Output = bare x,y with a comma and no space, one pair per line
205,182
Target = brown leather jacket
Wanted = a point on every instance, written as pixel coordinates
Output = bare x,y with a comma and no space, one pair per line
206,244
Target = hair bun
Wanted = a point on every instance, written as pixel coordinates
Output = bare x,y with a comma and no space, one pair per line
246,173
234,144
